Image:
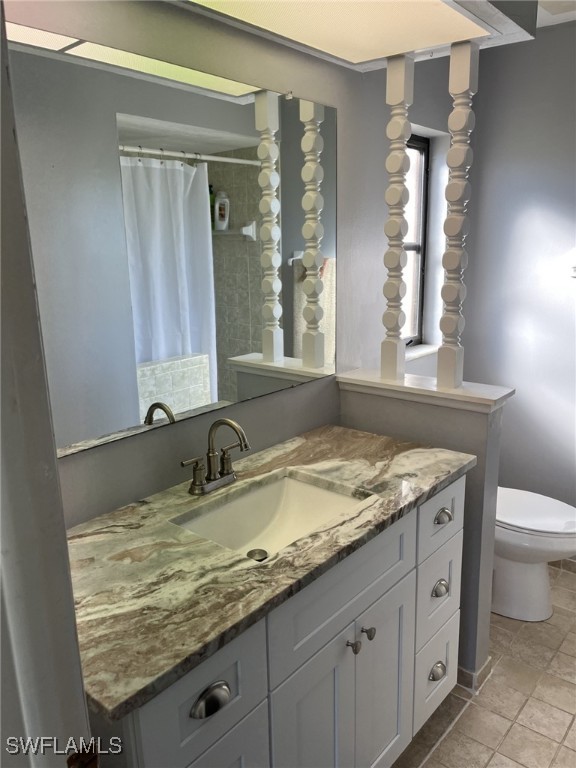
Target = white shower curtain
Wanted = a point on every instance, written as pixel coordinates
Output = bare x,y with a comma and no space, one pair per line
168,233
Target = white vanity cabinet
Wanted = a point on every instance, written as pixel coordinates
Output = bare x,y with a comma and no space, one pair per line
350,702
340,675
440,521
163,733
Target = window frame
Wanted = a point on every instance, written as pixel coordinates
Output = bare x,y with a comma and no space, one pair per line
422,145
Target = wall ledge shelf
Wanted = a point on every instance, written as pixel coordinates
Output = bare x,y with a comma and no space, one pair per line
287,368
248,231
483,398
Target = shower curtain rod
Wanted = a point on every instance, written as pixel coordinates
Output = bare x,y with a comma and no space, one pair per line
188,155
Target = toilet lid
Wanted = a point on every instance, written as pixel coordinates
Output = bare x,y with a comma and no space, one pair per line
533,512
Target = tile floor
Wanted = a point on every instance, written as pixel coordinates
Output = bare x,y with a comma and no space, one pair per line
523,716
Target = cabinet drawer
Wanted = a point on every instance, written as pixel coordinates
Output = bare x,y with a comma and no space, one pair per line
441,571
170,736
306,622
440,518
247,744
441,649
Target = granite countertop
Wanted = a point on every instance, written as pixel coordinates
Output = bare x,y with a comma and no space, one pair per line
153,600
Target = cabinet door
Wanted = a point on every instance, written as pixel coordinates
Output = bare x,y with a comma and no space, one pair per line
244,745
385,676
312,712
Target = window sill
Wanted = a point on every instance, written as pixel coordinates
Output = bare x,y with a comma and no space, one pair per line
420,350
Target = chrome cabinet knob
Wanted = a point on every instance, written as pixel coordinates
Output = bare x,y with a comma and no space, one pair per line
370,632
437,672
211,700
441,588
443,516
356,646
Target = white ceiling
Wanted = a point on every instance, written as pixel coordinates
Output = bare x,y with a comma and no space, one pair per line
355,32
556,12
145,132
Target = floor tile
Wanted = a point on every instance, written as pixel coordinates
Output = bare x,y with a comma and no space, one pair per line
543,634
560,693
565,758
500,640
569,565
545,719
564,598
431,732
569,644
485,726
567,580
530,652
503,622
527,747
500,761
515,674
462,693
433,763
500,698
562,618
570,740
458,750
563,666
553,573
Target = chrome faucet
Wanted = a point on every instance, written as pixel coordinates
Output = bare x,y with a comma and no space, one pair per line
219,470
149,418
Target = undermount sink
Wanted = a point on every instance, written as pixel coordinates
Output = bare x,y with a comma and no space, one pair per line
263,518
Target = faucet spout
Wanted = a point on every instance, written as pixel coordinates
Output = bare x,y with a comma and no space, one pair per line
149,419
212,455
219,470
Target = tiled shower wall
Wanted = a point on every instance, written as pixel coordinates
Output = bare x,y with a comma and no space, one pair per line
237,271
182,383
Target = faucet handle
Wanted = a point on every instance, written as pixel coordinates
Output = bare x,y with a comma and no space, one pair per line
198,473
226,460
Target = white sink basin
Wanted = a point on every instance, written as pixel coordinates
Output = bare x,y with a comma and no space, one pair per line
267,516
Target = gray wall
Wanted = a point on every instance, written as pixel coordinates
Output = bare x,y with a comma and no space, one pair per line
66,122
36,602
534,78
520,326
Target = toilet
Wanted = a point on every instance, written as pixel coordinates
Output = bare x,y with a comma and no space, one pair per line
531,531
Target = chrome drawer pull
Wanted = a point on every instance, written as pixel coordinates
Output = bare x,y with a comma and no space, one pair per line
356,646
370,632
443,516
211,700
441,588
437,672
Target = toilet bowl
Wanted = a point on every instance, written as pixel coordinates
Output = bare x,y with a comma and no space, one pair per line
531,531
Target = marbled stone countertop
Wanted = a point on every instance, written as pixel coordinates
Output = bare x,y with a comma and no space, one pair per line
153,600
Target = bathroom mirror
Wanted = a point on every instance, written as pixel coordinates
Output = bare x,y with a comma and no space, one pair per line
72,115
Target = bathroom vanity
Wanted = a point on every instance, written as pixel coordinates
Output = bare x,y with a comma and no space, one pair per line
332,652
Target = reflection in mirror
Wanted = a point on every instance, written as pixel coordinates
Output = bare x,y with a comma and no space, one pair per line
71,118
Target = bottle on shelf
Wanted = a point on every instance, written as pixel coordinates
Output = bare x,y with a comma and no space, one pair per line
221,211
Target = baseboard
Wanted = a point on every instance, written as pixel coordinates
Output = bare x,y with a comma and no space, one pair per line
473,680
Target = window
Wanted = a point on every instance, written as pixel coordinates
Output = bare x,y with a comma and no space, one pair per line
418,149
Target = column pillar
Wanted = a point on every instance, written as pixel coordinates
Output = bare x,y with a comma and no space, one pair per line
463,85
267,123
312,144
399,95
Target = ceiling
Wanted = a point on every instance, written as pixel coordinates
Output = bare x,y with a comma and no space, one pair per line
556,12
356,32
145,132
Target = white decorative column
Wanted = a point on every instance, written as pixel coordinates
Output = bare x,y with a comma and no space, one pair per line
267,123
312,144
463,85
399,94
